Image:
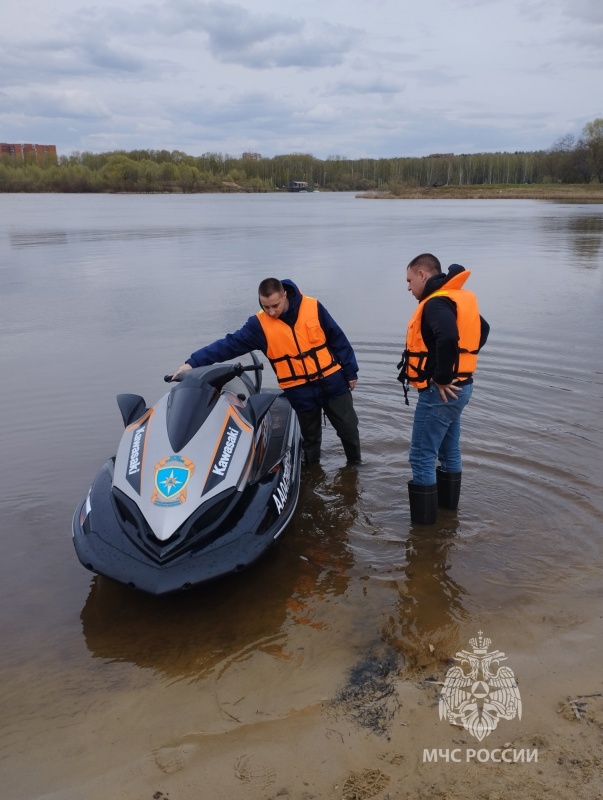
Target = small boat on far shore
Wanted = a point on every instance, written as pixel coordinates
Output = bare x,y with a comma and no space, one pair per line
299,186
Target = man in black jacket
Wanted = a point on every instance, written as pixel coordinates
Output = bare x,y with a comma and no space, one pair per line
444,336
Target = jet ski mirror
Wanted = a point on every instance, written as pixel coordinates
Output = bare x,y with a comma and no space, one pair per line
132,407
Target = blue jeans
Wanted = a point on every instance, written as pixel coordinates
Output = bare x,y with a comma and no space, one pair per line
436,434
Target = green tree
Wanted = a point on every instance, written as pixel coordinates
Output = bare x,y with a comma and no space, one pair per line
558,160
121,173
148,176
189,178
593,138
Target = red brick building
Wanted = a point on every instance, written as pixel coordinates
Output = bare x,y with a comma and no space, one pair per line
42,153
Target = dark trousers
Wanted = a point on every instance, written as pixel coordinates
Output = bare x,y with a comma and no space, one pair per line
342,416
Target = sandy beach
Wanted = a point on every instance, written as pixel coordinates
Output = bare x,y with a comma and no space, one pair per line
260,738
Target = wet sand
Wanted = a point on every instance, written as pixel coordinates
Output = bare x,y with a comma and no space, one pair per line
257,736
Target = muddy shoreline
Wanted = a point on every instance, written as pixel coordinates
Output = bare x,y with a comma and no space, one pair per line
564,194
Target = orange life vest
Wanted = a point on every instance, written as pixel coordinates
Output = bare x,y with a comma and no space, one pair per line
298,354
468,322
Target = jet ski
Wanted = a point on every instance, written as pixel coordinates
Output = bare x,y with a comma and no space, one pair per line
202,485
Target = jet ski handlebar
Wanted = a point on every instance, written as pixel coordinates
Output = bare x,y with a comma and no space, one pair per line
250,368
237,369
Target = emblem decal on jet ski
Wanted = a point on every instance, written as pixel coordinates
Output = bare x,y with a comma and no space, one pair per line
171,477
134,472
223,456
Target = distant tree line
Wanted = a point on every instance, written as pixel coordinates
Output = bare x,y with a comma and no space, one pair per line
569,160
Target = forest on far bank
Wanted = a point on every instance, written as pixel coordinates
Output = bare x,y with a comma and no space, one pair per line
570,160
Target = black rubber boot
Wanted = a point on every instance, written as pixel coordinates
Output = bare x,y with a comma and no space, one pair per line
352,452
449,488
423,503
311,456
311,430
342,416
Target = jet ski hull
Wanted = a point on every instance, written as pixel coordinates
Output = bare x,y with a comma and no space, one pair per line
113,530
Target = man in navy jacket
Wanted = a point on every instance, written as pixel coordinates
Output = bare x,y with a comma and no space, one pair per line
331,392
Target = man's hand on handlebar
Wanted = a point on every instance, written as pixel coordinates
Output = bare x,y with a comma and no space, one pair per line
183,368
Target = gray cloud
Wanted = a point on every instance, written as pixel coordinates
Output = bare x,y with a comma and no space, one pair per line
250,109
588,11
232,28
382,79
233,34
60,104
72,57
382,86
112,58
566,21
262,41
433,76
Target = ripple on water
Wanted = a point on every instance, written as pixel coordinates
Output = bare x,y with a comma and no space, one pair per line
98,305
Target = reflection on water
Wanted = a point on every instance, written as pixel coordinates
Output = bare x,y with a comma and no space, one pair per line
136,284
37,239
425,623
289,587
587,234
584,236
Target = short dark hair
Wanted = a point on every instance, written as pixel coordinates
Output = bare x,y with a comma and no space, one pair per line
269,286
426,261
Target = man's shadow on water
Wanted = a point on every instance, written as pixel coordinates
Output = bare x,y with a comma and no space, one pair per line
429,609
187,635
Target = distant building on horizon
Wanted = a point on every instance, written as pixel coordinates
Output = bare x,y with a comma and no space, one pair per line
42,153
251,156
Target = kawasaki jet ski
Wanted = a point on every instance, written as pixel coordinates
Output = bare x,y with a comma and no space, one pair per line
202,485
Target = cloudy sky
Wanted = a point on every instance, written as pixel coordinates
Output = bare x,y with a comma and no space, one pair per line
356,78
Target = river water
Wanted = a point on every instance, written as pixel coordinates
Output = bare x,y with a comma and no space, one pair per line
105,294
